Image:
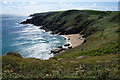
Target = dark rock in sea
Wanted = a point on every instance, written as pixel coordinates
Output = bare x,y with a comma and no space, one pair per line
14,54
44,29
67,44
59,47
65,38
56,50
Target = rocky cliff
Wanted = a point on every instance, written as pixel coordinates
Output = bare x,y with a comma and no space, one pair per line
72,21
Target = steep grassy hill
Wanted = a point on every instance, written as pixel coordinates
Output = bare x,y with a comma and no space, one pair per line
74,21
100,52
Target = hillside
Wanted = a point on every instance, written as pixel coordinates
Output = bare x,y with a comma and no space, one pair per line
100,29
97,68
73,21
99,52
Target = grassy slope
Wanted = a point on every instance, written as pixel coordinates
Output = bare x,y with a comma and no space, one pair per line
103,41
99,67
100,50
67,22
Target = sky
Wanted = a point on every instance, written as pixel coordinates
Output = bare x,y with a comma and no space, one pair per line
61,0
25,8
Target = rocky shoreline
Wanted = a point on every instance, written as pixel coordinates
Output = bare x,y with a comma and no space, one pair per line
73,40
62,48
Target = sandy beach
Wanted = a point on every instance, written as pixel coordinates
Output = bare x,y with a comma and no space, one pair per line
74,39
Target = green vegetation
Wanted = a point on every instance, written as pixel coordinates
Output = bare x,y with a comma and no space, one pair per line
100,52
99,67
74,21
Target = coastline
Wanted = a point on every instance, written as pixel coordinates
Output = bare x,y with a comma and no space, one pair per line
74,39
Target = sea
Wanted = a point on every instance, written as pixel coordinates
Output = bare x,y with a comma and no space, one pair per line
27,39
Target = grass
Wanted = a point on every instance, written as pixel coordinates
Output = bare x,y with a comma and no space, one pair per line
104,50
87,67
104,40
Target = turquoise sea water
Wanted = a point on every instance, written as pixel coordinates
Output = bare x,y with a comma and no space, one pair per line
28,40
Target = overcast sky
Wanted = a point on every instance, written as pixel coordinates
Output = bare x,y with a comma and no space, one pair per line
25,8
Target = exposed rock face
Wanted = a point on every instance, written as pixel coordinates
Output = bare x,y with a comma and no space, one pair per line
70,47
56,50
67,44
61,48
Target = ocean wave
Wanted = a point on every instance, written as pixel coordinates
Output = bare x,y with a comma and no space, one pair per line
34,42
22,43
38,51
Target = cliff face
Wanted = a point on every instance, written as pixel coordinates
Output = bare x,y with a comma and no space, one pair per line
72,21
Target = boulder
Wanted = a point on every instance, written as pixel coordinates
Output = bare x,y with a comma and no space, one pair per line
59,47
56,50
68,44
69,47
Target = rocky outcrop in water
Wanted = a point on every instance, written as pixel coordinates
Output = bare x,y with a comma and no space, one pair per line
61,48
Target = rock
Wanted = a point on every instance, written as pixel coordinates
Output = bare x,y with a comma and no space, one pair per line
56,50
84,41
59,47
69,47
68,44
65,38
80,57
64,48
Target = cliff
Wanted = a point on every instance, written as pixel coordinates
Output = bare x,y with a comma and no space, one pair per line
86,22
